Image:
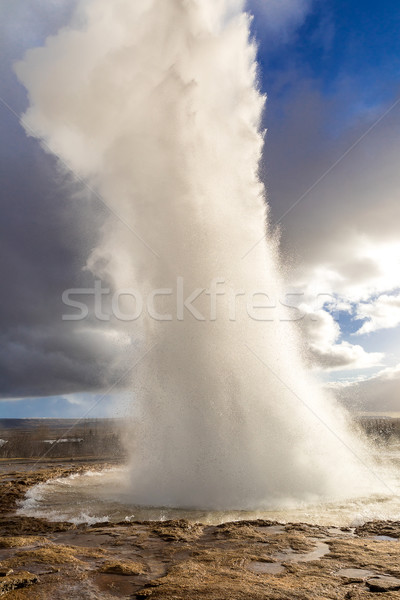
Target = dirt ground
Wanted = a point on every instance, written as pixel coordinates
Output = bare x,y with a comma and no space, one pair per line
178,560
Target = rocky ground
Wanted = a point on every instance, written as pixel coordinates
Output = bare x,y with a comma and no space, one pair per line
178,560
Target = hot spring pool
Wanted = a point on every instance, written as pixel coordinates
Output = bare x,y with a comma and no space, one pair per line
103,496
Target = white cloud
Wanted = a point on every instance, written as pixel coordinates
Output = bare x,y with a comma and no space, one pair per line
344,356
361,269
321,333
378,393
342,237
381,313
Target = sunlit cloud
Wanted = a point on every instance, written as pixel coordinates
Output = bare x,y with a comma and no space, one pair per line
326,351
377,393
382,313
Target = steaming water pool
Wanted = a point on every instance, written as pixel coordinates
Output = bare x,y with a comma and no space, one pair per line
99,496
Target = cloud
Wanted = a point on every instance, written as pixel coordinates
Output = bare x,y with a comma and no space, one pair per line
340,229
47,231
48,228
324,351
381,313
338,194
378,393
344,356
370,268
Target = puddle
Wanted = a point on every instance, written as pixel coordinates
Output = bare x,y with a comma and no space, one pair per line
91,540
120,586
271,529
266,567
340,532
355,573
319,551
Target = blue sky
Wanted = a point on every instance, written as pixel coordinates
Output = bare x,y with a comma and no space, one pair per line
338,40
330,69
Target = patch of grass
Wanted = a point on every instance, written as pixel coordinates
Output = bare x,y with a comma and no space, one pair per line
19,541
122,568
54,555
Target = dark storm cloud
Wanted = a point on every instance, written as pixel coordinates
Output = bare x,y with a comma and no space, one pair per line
48,227
44,245
307,134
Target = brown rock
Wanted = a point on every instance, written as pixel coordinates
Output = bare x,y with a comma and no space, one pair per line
383,583
16,581
5,572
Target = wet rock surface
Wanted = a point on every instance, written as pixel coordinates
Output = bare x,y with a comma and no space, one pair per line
390,529
383,584
179,560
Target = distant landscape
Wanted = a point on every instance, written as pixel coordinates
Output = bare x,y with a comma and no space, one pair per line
53,438
101,437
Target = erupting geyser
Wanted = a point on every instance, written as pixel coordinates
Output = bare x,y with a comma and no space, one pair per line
155,104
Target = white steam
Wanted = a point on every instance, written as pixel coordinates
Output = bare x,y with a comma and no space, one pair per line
155,103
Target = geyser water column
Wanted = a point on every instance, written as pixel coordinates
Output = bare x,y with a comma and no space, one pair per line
155,104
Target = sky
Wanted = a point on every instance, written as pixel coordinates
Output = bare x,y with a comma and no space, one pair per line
331,73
